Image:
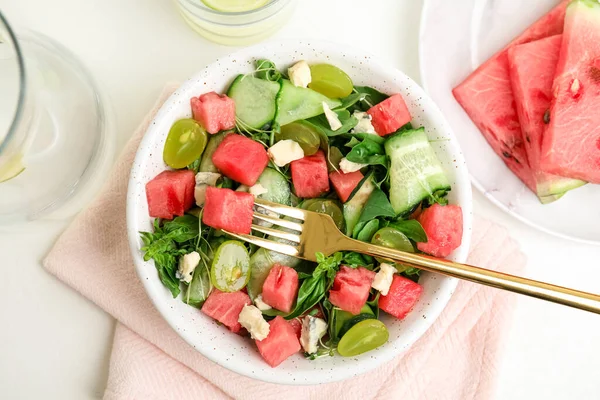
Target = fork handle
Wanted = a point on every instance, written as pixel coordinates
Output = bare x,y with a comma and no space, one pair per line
545,291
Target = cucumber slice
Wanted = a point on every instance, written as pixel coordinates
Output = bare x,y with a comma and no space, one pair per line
260,265
254,100
354,206
415,171
206,164
296,103
278,188
200,287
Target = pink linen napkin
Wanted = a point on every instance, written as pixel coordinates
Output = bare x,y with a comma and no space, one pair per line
456,359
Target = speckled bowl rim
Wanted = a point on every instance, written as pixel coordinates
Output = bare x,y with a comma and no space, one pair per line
250,365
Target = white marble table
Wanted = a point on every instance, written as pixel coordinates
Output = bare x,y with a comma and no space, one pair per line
54,344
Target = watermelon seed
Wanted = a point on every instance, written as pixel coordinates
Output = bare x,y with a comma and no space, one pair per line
506,154
528,138
576,88
595,74
547,117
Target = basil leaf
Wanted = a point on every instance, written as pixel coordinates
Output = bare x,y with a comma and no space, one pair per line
367,232
355,260
412,229
377,206
310,293
182,229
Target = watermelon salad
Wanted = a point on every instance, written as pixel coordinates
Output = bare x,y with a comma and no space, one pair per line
534,100
307,137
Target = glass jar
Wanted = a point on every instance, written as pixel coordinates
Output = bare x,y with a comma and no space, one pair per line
55,141
236,28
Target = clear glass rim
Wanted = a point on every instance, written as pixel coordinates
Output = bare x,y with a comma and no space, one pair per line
194,3
22,87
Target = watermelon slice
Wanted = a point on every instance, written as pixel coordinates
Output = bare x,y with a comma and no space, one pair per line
214,112
571,145
532,69
170,193
401,298
228,209
281,343
389,115
241,159
280,288
226,307
309,175
351,288
487,97
444,228
344,184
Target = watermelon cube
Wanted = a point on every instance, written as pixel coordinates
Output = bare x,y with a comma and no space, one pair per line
444,228
226,307
241,159
487,97
281,343
170,193
389,115
280,288
229,210
214,112
401,298
350,289
344,184
571,145
310,175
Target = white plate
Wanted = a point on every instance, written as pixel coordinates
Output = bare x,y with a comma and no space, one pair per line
456,37
240,354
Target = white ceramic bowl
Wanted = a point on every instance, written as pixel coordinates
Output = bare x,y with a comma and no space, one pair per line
237,353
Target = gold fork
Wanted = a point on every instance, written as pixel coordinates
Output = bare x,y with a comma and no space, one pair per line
316,232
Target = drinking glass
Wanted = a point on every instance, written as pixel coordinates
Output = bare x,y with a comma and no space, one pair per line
236,28
54,128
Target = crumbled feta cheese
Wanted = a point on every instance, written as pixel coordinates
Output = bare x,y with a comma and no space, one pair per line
364,123
332,118
252,319
242,188
203,180
260,304
187,265
299,74
257,190
313,329
348,166
383,279
285,151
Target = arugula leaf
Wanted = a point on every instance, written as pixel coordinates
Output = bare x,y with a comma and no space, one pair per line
372,97
351,100
321,124
377,206
266,69
195,166
412,274
362,136
411,228
374,304
368,152
352,142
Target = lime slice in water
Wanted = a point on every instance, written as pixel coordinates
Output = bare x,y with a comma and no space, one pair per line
12,168
235,5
